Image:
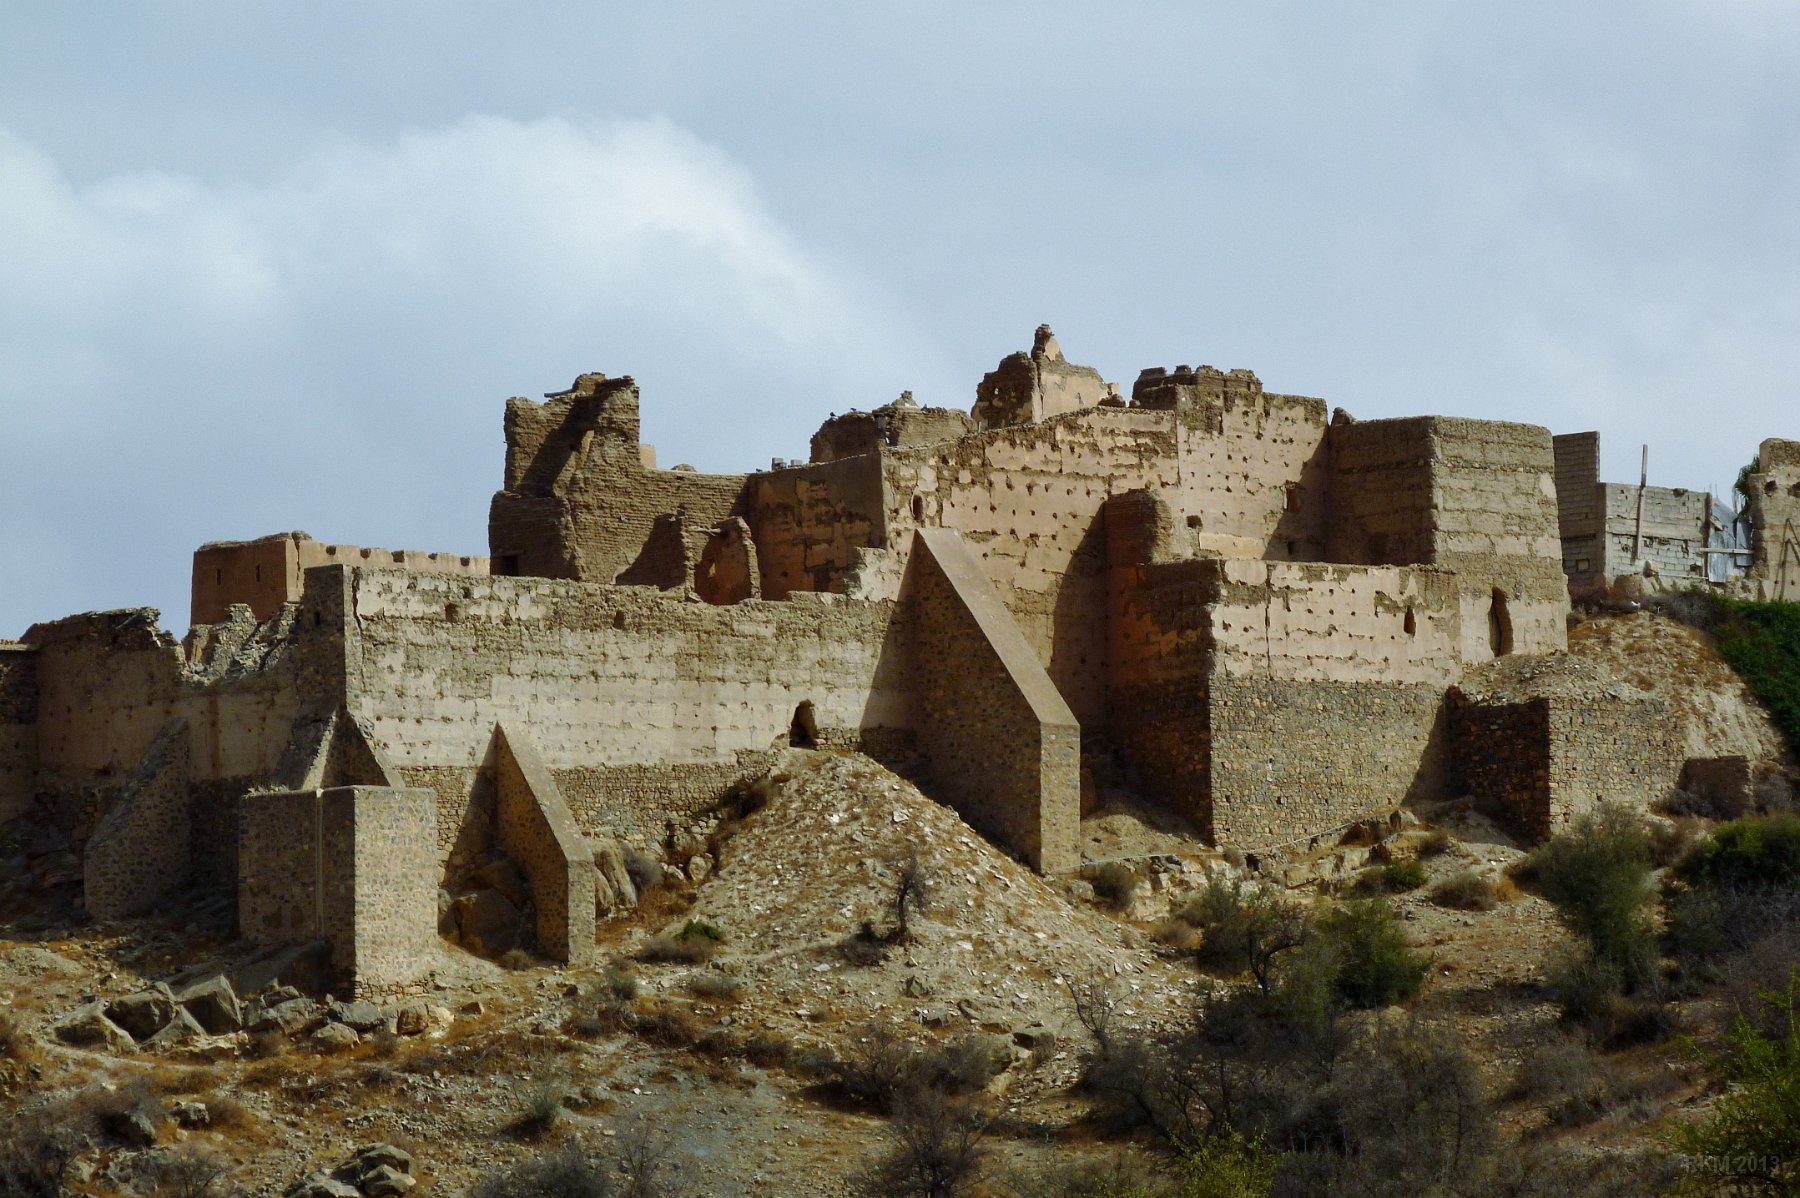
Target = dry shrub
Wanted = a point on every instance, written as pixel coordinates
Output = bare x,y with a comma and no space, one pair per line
517,959
15,1041
1466,891
267,1045
669,1025
1116,882
1436,844
1177,934
724,987
767,1051
540,1107
693,944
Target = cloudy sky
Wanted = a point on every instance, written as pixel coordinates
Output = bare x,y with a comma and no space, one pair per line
268,266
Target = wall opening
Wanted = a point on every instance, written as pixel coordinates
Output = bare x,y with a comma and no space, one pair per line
803,733
505,565
1411,623
1500,631
918,509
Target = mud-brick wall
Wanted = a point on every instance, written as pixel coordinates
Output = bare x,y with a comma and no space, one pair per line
1380,492
1159,656
18,730
1294,758
1578,504
808,521
607,676
1255,480
1028,500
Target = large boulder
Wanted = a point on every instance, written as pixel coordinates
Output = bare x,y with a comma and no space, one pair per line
88,1027
609,860
213,1004
181,1029
502,875
488,924
145,1013
358,1016
290,1016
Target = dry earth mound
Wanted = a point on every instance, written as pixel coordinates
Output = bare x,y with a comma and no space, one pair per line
1645,655
994,945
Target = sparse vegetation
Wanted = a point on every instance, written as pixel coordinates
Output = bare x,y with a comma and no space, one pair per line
1436,844
1749,1143
1245,927
1396,877
694,943
541,1106
723,987
1597,874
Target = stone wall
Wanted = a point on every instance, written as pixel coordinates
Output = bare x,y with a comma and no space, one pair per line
18,729
1036,386
1775,519
142,850
536,830
1543,761
1005,750
354,865
902,424
1274,701
1670,535
607,677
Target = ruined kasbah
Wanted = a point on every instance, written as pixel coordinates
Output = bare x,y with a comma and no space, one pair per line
1277,622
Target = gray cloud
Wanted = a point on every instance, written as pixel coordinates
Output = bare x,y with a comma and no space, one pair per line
263,268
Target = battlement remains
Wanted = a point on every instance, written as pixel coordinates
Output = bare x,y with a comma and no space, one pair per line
1026,388
267,572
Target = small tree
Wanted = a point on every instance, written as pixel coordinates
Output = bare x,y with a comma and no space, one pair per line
912,892
935,1149
1597,874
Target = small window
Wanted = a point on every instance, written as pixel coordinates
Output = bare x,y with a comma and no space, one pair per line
259,573
1411,623
918,508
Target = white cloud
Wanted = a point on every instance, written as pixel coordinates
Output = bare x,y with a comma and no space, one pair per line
184,359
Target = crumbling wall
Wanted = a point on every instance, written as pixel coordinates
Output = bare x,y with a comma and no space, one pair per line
606,676
582,494
1005,750
107,682
1501,752
1036,386
1775,520
809,521
18,729
902,424
729,570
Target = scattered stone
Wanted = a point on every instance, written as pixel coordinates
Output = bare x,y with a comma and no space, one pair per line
699,867
134,1129
363,1017
385,1181
1080,890
191,1114
335,1037
181,1029
320,1184
290,1017
88,1027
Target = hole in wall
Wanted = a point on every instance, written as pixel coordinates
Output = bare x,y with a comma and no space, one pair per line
803,733
918,508
1500,630
1411,623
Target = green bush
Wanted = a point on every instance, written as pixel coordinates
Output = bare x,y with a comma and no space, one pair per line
1375,968
1466,891
1751,1138
1758,851
1396,877
1597,874
1761,641
1245,927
